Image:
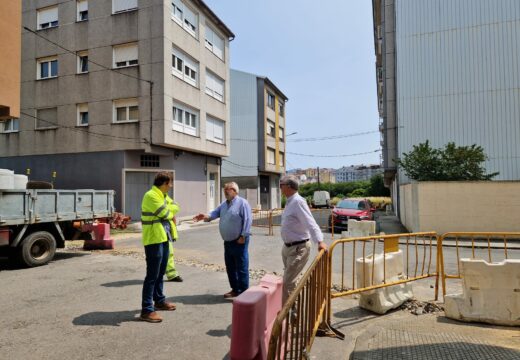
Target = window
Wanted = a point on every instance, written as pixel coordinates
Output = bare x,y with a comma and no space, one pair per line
126,110
82,10
214,43
150,161
82,62
282,159
11,125
46,118
126,55
47,68
270,156
185,120
214,86
184,67
82,114
47,18
185,17
123,5
270,100
281,108
215,130
271,128
281,134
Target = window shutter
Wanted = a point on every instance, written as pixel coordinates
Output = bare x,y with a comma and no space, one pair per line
47,15
191,17
125,53
82,5
122,5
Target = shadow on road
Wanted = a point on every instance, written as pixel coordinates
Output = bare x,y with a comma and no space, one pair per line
123,283
7,265
202,299
352,316
99,318
220,333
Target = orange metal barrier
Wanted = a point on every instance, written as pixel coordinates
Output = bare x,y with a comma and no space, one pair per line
263,219
481,248
421,261
303,315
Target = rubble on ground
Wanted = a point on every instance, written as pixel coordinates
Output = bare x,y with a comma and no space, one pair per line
417,307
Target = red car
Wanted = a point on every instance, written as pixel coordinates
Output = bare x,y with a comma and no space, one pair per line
357,209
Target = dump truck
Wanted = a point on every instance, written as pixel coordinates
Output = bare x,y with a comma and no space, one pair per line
35,222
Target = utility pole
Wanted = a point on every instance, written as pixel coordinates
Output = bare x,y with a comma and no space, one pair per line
319,185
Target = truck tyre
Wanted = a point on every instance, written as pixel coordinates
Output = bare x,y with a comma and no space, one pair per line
38,248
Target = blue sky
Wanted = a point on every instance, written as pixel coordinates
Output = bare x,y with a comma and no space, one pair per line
321,55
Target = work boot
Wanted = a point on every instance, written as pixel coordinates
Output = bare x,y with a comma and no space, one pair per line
230,295
165,306
152,317
176,279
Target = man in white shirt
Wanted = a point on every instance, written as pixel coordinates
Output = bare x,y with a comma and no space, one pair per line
298,227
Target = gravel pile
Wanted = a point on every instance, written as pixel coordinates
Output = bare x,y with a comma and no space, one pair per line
417,307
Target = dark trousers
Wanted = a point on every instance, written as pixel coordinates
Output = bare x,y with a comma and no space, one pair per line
236,258
156,260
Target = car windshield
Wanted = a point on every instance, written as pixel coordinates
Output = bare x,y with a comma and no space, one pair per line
351,204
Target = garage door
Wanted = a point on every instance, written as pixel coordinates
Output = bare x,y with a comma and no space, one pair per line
136,185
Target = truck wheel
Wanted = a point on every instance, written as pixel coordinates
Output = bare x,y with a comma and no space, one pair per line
37,249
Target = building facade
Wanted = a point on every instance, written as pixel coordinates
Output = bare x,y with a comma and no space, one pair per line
258,121
357,173
10,64
116,90
448,71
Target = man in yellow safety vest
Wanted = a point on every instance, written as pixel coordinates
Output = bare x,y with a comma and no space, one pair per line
157,213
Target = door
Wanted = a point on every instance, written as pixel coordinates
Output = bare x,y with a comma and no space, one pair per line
265,193
212,191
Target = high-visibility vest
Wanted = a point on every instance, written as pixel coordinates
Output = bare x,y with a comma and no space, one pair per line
156,208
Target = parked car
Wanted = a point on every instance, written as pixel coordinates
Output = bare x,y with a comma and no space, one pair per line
357,209
321,199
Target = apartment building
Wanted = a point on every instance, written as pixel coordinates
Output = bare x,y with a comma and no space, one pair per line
447,71
10,44
258,121
357,173
116,90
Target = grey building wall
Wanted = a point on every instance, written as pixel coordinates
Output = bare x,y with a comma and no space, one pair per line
244,129
458,77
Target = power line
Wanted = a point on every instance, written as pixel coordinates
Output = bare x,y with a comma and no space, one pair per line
95,134
239,165
89,60
333,156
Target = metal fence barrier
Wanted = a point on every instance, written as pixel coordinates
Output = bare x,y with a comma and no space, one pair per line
273,218
303,315
421,261
482,246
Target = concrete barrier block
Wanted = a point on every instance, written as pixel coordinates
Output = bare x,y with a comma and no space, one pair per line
490,293
361,228
384,299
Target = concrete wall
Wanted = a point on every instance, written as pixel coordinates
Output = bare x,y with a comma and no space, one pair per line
10,46
460,206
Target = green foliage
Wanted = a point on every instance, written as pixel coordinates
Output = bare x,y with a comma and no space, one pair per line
374,187
360,192
284,200
377,186
453,163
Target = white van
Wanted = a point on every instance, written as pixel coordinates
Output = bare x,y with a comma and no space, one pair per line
321,199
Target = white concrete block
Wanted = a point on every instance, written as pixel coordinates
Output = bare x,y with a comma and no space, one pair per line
384,299
491,293
361,228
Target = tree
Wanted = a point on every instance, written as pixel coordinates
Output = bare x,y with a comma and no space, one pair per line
377,186
453,163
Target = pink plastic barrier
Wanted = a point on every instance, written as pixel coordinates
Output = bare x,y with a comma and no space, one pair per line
101,237
254,313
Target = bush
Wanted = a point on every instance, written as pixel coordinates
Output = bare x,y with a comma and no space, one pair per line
284,201
453,163
358,193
